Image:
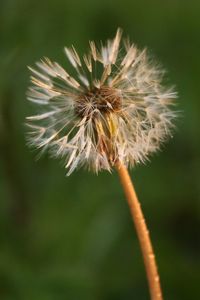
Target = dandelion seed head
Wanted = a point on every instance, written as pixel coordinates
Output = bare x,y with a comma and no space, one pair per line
122,114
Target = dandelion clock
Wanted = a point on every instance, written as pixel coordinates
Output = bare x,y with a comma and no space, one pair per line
113,114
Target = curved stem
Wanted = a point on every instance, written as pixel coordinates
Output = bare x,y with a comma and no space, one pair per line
142,233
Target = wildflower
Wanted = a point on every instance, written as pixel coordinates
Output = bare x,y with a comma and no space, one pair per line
115,110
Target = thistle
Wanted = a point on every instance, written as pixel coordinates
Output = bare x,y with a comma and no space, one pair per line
113,114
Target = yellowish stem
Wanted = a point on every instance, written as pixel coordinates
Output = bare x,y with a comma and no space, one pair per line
142,233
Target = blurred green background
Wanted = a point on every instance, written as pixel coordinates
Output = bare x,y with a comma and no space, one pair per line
72,237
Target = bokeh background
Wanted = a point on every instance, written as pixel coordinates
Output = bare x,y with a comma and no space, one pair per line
72,237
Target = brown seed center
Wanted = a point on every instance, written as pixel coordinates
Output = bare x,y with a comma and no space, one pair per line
104,99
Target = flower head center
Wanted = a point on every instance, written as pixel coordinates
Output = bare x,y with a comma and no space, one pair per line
104,100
